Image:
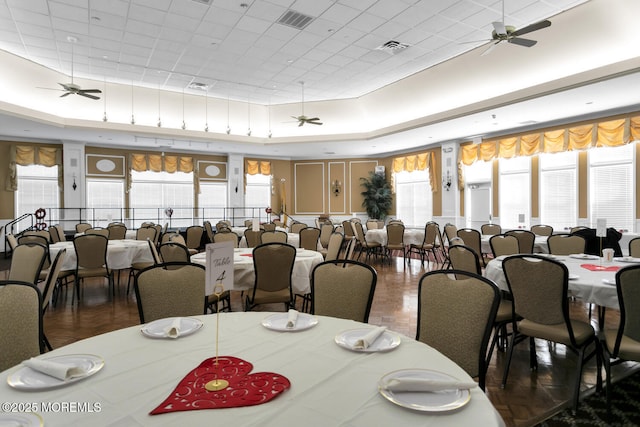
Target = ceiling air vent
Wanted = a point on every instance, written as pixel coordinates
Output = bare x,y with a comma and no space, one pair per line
294,19
198,86
392,47
207,2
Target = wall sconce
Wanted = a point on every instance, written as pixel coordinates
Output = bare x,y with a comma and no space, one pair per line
74,185
446,181
336,188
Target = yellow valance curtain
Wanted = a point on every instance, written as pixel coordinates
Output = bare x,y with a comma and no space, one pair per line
417,162
255,167
25,155
611,133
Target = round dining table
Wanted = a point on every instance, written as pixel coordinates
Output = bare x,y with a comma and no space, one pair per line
329,383
121,254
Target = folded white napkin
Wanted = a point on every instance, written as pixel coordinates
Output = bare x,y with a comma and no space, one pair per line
173,330
292,317
367,340
57,370
426,385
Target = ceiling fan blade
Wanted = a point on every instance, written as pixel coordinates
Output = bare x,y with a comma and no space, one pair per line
499,28
86,95
90,91
533,27
315,123
66,87
490,49
522,42
312,119
65,94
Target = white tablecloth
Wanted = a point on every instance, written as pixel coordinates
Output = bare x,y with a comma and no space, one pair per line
411,236
539,245
330,385
292,238
244,275
120,253
588,286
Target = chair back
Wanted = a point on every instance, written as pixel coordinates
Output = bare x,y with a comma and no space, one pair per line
252,238
490,229
276,236
372,224
99,231
464,258
40,233
431,234
326,230
13,242
194,236
177,238
273,265
577,228
526,240
160,230
456,314
57,233
359,232
248,223
208,228
226,236
627,284
297,226
309,238
343,289
170,290
395,236
21,335
450,231
52,277
268,226
27,261
564,244
634,247
82,227
174,252
347,227
542,230
222,224
471,238
157,259
502,244
31,239
91,251
117,231
146,233
335,244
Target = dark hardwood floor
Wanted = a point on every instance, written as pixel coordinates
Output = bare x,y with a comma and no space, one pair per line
528,398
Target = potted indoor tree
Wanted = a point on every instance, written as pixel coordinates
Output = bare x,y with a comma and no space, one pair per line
377,195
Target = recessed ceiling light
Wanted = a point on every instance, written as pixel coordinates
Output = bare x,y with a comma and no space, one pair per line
96,18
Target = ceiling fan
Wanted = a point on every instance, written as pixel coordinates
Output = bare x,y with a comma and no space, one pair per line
508,33
72,88
302,119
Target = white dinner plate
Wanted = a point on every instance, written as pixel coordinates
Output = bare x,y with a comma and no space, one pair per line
385,342
278,322
23,419
573,276
440,401
157,328
583,256
29,379
627,259
609,281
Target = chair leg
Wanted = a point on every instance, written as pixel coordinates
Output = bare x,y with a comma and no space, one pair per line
508,363
576,389
533,360
47,344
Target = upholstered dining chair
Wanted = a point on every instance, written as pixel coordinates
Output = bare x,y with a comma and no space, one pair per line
429,243
20,322
309,238
526,240
208,229
542,230
490,229
502,244
12,241
623,343
473,239
193,240
27,261
56,233
273,266
634,247
450,231
38,239
98,230
326,230
565,244
117,231
539,286
170,290
456,314
42,233
91,253
174,252
464,258
268,226
141,265
297,226
276,236
395,241
226,236
82,227
252,238
343,289
248,223
333,249
370,248
146,233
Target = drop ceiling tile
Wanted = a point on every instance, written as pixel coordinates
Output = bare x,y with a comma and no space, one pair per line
146,14
39,42
254,25
266,10
153,4
354,52
390,30
106,33
38,6
189,8
360,4
367,22
67,12
322,27
387,8
113,7
340,13
311,7
281,32
221,16
108,20
174,35
143,28
34,30
461,10
180,22
29,17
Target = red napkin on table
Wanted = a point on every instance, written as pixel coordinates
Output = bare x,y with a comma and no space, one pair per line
245,389
250,255
594,267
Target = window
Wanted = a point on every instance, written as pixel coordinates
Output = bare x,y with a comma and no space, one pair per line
105,201
212,200
414,200
611,186
558,190
515,192
38,188
154,193
257,194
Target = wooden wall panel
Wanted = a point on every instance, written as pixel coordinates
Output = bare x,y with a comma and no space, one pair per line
309,183
105,165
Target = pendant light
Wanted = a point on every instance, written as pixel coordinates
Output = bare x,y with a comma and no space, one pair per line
228,128
159,115
133,119
206,111
248,117
184,125
104,100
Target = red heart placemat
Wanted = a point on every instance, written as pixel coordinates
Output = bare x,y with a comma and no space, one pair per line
245,389
594,267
